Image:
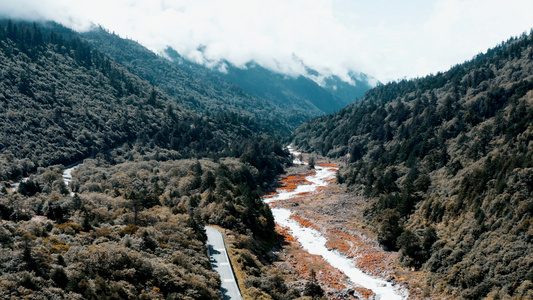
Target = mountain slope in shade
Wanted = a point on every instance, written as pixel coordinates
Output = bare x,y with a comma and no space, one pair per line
446,163
298,95
205,97
346,91
333,95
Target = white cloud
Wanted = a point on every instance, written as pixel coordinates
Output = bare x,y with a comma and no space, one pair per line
458,30
387,39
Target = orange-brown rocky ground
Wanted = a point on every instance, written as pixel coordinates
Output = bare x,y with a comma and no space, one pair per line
300,263
338,215
289,182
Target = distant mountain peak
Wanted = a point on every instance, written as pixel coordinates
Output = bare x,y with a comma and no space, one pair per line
309,89
351,77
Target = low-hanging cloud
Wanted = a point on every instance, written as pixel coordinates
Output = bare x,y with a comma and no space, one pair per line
384,39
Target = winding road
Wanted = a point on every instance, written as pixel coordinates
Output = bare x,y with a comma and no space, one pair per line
220,261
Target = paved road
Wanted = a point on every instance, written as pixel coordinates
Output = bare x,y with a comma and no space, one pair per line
221,264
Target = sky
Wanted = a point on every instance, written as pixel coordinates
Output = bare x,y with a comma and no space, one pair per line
386,39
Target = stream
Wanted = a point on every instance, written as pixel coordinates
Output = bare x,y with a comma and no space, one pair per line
314,242
67,178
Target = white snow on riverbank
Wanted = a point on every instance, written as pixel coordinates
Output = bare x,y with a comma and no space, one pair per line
67,178
317,180
315,243
15,186
296,156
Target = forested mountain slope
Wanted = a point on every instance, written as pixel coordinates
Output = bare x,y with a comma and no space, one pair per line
153,174
272,99
446,162
62,101
299,94
202,96
298,91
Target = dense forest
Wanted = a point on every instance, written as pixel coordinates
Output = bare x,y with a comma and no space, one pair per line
153,173
134,227
62,101
446,162
276,101
204,97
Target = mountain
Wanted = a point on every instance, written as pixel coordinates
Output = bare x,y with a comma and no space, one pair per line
346,91
300,96
273,99
205,97
153,174
63,101
301,91
446,163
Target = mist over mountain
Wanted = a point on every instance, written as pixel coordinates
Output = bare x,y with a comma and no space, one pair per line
202,96
313,92
444,164
271,98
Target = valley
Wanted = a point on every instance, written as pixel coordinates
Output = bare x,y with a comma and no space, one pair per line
421,189
321,234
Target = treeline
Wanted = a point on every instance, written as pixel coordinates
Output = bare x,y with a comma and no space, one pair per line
438,156
153,174
62,101
205,95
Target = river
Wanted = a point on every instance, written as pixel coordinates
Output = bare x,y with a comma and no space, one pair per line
67,178
314,242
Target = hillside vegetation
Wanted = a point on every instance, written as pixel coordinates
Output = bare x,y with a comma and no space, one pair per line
446,163
277,102
134,227
297,98
62,101
153,174
210,95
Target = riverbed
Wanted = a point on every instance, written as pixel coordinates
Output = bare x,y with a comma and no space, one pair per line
67,178
314,241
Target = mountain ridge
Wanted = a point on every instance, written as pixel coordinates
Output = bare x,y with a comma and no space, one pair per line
273,99
445,162
311,90
195,94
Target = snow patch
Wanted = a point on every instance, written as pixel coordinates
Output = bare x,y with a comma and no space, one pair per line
315,243
67,177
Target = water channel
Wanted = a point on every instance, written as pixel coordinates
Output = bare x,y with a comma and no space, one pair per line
314,242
